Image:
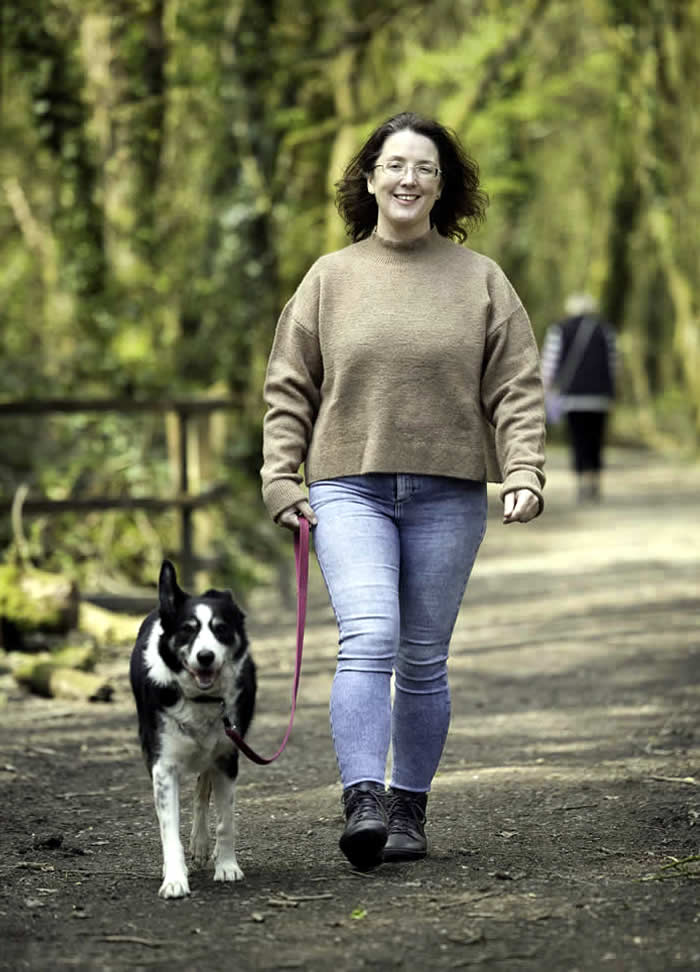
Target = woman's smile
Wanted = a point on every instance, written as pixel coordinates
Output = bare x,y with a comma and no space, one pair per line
406,184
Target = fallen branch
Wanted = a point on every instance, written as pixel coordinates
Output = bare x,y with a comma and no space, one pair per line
92,793
306,897
56,681
32,866
576,806
132,940
106,872
677,868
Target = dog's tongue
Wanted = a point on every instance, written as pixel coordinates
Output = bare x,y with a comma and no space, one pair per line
204,679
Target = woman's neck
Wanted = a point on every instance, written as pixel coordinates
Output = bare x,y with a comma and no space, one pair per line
412,243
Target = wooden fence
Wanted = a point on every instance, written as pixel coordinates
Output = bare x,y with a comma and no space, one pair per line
183,500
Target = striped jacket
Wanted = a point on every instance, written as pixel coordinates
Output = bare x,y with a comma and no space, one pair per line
591,386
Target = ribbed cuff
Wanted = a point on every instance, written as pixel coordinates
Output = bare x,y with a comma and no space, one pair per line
523,479
280,494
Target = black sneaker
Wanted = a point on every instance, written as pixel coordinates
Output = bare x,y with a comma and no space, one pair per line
366,827
406,840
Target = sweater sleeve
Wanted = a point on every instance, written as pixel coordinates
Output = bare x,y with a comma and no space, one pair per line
513,402
292,394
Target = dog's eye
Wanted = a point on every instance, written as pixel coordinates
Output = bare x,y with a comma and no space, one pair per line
189,626
221,629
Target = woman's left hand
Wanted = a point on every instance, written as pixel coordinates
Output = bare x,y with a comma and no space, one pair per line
520,505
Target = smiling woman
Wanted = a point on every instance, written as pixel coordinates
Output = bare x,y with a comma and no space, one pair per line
397,366
406,184
459,204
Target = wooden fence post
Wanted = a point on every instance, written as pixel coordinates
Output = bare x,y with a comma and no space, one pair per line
186,552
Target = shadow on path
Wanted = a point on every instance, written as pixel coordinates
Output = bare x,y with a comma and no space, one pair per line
567,795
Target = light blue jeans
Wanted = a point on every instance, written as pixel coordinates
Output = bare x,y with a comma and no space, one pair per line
396,552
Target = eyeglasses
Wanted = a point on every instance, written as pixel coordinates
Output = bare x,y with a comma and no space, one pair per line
423,170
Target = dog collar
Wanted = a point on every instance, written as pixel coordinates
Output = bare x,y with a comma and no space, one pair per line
205,698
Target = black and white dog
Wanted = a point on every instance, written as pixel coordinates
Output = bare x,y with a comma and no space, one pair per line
190,667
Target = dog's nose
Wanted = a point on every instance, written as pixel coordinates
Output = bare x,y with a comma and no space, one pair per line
205,657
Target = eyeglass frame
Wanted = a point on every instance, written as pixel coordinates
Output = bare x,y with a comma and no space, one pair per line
405,166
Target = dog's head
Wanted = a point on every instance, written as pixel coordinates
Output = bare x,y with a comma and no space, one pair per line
200,634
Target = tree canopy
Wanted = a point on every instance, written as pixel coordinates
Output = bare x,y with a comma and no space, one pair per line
167,176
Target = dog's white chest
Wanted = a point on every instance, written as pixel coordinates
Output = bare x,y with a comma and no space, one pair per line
192,738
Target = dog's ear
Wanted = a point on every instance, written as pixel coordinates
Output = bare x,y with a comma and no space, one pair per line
170,595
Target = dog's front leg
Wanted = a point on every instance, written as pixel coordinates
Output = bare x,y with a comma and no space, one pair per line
166,793
199,836
226,865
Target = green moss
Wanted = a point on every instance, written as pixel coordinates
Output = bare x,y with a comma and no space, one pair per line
36,600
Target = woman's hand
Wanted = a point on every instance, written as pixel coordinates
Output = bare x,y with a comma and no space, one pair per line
520,505
289,518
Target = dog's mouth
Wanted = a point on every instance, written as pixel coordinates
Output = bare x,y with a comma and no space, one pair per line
203,677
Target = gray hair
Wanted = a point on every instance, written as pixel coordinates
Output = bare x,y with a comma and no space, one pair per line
578,304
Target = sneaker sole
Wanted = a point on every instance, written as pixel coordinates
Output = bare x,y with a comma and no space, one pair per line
396,857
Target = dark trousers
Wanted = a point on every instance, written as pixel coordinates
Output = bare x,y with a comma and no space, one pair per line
586,432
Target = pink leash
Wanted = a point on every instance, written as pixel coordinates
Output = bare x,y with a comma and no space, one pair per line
301,557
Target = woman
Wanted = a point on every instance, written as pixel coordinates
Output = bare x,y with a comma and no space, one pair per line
398,364
579,360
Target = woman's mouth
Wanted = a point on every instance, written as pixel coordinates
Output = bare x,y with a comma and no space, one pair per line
404,197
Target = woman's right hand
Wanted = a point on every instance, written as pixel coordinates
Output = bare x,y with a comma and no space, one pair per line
289,518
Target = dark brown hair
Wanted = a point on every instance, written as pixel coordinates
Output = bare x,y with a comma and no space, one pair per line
462,203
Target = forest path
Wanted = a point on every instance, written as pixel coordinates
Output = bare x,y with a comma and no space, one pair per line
569,785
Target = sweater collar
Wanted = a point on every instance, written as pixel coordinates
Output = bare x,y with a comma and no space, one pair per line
387,253
407,246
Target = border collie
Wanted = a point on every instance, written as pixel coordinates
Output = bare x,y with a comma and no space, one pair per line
190,667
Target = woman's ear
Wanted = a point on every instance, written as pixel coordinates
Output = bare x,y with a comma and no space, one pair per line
370,183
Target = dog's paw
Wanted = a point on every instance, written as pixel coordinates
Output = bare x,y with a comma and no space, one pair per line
174,887
199,851
228,871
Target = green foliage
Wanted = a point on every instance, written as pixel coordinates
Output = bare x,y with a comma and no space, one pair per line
166,178
32,598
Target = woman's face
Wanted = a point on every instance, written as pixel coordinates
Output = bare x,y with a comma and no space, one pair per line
406,181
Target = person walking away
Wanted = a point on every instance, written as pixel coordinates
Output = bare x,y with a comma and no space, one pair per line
403,373
578,370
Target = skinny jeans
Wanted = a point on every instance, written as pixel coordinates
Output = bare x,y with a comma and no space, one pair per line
396,552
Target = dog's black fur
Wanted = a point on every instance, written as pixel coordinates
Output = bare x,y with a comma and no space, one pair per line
190,666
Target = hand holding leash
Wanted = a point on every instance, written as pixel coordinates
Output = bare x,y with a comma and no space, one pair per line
291,517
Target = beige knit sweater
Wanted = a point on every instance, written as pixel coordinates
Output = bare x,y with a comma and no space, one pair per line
403,358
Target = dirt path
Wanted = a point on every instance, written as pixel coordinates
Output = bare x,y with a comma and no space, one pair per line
570,782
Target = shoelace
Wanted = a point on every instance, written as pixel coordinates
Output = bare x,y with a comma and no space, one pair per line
404,815
365,803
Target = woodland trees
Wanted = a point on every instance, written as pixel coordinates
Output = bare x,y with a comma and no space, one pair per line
166,178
